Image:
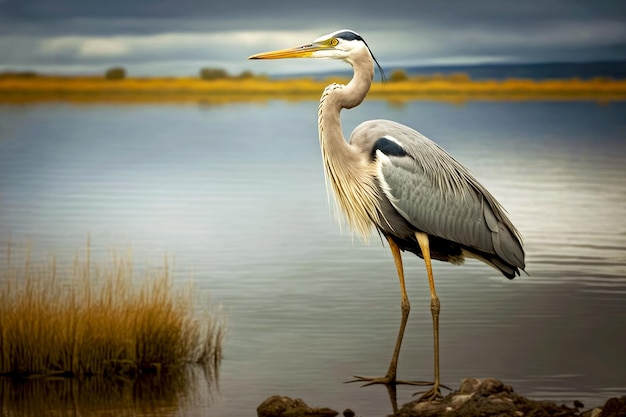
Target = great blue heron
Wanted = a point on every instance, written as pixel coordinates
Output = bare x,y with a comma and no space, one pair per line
390,177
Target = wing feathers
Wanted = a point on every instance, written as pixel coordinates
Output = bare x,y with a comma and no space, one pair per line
439,196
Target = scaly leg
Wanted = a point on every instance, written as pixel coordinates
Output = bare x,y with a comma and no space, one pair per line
435,392
390,377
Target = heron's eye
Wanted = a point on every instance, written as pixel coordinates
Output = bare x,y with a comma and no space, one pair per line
334,42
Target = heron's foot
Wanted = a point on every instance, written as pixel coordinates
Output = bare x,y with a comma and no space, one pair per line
388,380
433,394
385,380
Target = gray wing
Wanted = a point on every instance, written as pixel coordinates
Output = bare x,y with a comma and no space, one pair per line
435,193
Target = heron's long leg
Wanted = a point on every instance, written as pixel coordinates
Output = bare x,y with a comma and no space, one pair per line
435,307
390,377
404,305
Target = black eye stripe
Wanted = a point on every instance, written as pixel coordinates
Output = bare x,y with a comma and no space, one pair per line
349,36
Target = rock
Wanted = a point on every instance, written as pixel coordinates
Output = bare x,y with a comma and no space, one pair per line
277,406
484,386
485,397
594,412
475,397
614,407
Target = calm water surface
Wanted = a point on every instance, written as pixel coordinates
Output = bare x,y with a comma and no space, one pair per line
235,194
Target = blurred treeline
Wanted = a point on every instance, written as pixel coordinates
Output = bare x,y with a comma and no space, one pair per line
219,86
211,73
120,73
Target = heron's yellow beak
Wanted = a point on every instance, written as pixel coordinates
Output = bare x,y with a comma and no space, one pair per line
302,51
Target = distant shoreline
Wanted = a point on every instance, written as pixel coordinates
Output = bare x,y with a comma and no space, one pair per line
455,88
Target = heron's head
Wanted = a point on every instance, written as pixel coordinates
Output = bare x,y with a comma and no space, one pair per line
343,44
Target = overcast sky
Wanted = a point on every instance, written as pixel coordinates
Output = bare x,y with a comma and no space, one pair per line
179,37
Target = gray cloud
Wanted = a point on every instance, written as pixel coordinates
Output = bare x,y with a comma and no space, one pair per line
159,37
481,11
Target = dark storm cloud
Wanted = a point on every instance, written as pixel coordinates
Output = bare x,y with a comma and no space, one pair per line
477,10
238,14
400,32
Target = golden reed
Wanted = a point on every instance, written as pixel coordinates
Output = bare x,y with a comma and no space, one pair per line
99,319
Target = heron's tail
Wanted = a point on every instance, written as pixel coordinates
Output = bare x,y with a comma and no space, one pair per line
508,270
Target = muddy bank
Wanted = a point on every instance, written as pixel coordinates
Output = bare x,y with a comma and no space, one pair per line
475,397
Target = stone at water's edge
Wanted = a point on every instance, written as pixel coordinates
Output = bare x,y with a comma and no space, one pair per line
485,397
614,407
490,397
475,397
277,406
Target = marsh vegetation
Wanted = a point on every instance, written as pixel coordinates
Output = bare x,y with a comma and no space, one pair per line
99,319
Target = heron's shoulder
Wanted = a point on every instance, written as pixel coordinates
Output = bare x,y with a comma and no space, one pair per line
389,137
400,149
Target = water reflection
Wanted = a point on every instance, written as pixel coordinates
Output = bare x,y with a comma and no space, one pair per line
161,395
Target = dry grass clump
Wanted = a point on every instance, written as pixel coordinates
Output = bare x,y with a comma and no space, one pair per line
98,320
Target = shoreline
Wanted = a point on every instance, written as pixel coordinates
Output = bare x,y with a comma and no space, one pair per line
16,89
474,397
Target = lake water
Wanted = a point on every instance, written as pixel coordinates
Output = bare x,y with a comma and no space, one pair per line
235,194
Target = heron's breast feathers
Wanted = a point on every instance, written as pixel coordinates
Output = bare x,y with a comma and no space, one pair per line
356,194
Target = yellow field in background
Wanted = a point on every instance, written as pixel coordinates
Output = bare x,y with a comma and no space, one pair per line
455,87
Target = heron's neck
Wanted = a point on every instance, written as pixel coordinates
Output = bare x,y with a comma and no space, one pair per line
345,168
337,97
